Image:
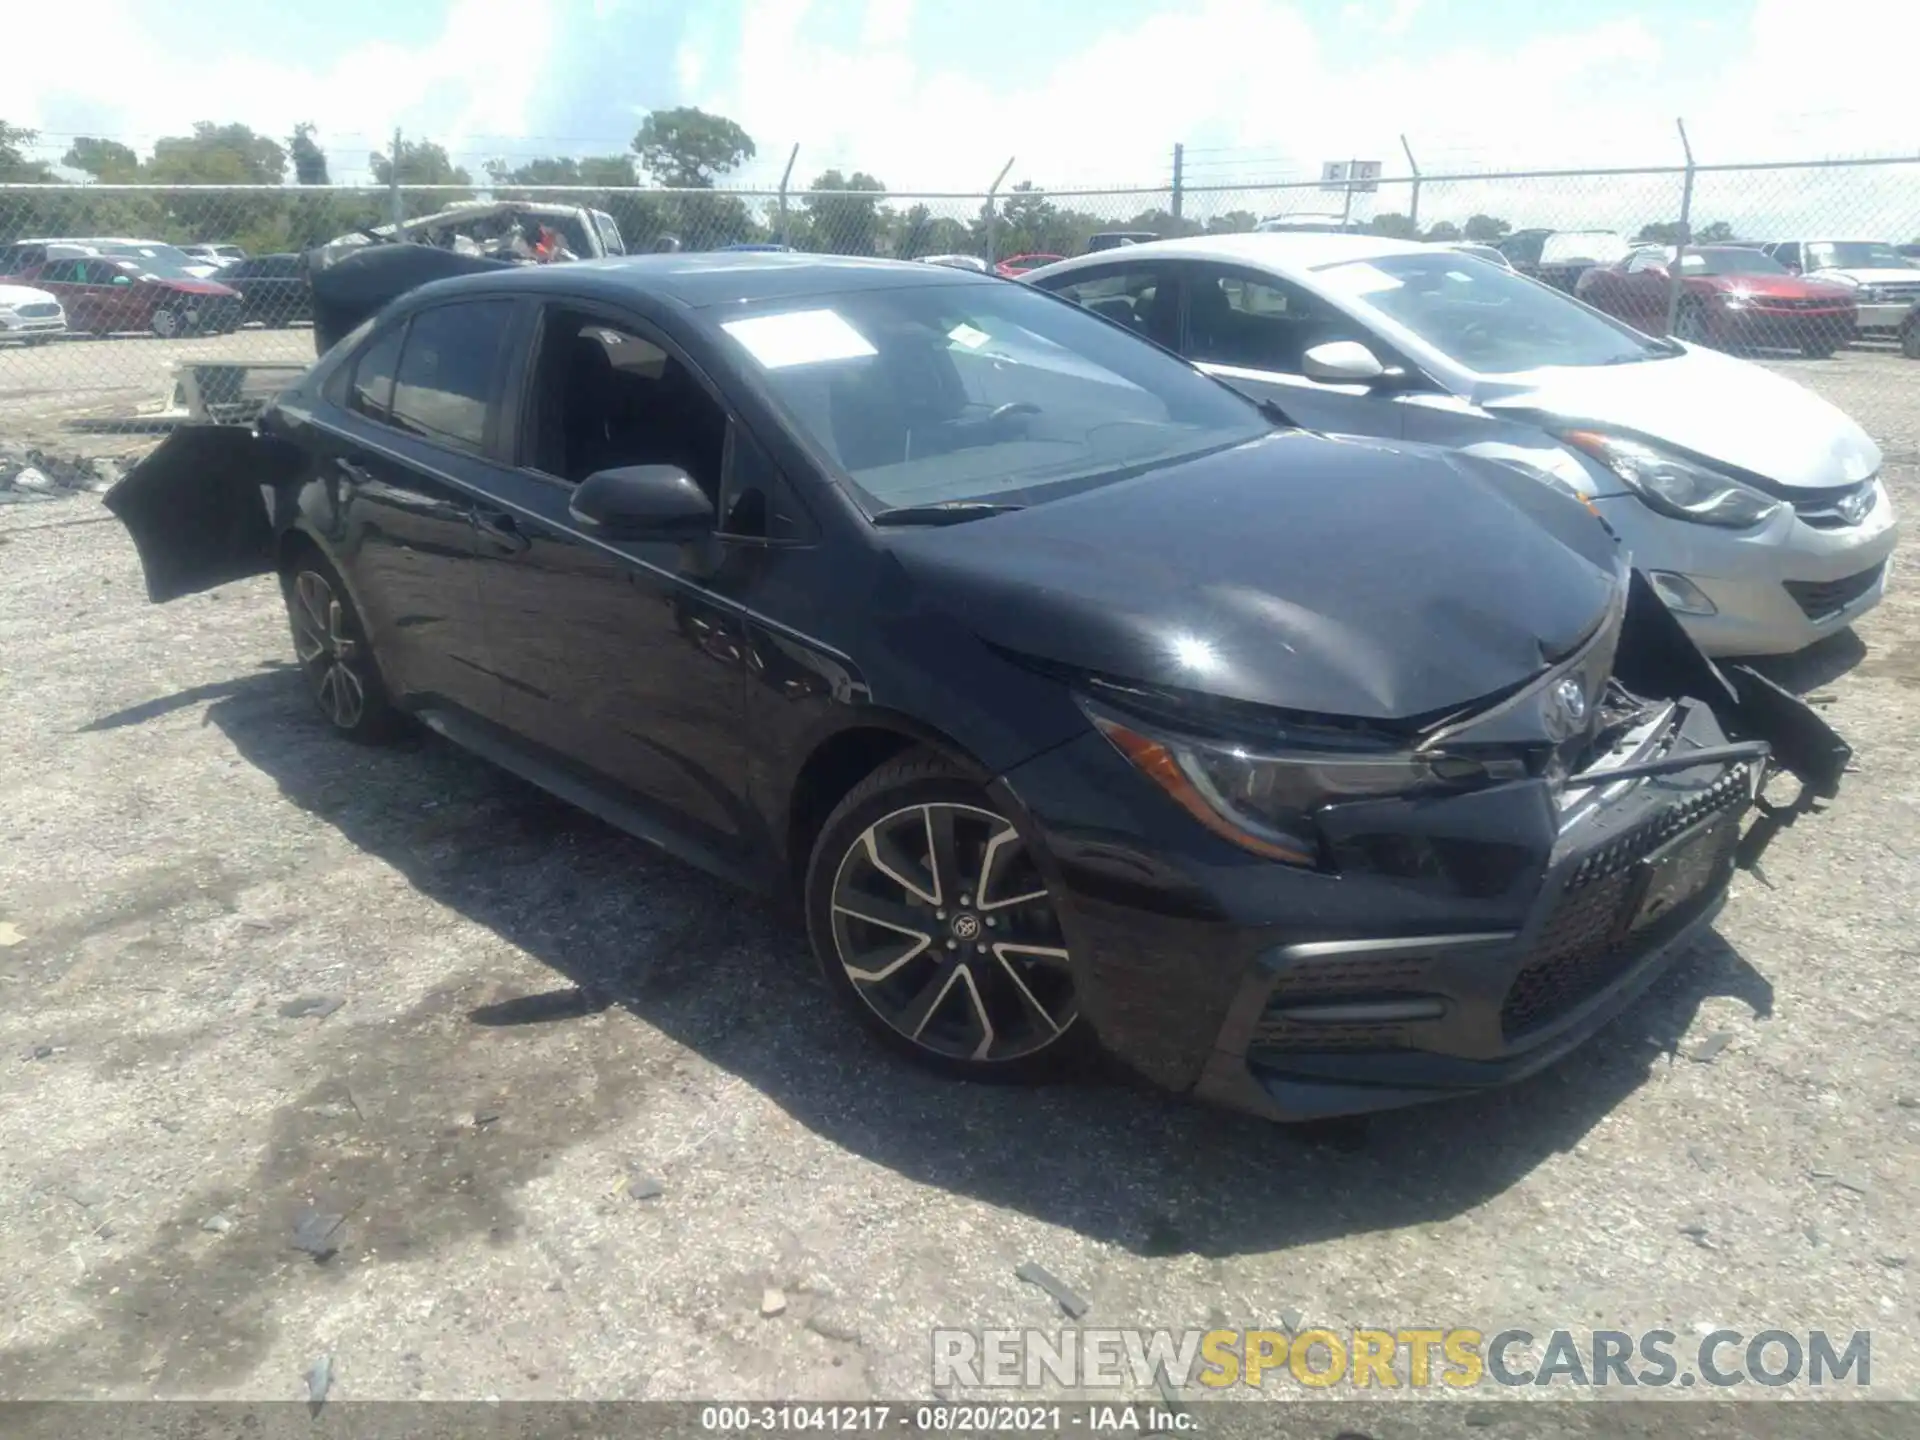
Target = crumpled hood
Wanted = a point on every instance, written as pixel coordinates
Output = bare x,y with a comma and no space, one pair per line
1341,577
1727,410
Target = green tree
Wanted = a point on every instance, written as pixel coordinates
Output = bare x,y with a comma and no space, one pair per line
1661,232
217,155
1395,226
1233,222
845,224
686,148
1718,233
107,161
1446,230
918,231
309,160
15,167
422,162
1486,229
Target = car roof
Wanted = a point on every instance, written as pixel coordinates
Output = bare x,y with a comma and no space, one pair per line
1283,249
704,278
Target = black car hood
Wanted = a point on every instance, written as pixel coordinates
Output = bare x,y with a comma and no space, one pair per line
1342,577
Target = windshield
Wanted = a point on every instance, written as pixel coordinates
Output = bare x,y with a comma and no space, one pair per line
927,395
163,262
1490,320
1856,255
1729,262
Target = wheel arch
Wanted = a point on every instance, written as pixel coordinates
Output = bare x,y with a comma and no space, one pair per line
843,757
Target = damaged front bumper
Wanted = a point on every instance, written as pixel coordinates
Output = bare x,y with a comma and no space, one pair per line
1457,942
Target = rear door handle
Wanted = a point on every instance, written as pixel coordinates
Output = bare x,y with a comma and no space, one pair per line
356,472
501,529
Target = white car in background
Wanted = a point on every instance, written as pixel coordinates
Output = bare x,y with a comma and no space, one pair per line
29,315
1886,284
214,254
1755,506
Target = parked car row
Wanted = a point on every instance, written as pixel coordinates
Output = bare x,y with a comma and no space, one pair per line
102,285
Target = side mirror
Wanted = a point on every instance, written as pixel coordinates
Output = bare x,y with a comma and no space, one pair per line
123,280
1342,362
643,502
1792,269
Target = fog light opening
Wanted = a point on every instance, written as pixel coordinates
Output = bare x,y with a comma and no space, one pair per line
1680,594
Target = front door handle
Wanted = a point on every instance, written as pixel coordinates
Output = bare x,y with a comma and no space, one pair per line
356,472
501,529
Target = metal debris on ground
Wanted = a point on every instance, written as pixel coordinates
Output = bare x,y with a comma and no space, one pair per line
317,1007
1708,1050
1068,1299
317,1234
1698,1234
319,1382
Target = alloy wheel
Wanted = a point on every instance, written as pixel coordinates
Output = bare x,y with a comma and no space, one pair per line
947,932
327,650
166,324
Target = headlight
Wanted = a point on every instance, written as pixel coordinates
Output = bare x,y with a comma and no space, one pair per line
1673,486
1264,802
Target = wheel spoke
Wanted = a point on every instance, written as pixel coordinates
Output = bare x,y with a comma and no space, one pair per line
1039,952
315,598
943,854
979,1013
337,631
915,947
889,913
928,998
890,860
1026,995
353,696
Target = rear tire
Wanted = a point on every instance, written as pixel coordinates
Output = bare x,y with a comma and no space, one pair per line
336,659
1910,340
166,324
977,987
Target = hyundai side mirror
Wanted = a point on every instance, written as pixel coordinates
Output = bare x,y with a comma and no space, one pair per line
1342,362
643,502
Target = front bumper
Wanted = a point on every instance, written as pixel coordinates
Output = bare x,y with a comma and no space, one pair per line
1790,329
1465,942
14,326
1775,589
1884,314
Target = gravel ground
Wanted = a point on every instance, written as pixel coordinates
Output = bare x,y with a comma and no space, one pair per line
539,1021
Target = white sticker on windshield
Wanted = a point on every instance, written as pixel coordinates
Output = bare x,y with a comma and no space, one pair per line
965,334
1361,278
799,337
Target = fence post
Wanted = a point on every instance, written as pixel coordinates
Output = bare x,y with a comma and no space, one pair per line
1686,229
1346,207
993,190
1179,176
1413,204
394,211
785,176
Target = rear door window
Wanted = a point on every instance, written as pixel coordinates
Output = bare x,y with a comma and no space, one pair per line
449,372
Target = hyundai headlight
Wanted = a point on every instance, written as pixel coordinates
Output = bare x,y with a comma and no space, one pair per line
1681,488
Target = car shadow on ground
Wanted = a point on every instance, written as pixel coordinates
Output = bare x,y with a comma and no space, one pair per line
1821,663
621,925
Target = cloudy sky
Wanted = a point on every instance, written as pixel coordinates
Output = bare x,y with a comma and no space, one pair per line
938,96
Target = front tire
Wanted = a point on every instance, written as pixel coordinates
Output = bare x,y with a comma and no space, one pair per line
166,324
937,931
336,660
1910,340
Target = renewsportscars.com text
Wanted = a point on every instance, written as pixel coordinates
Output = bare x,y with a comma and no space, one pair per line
1417,1357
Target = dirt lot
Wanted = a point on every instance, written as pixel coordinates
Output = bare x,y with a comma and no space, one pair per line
185,857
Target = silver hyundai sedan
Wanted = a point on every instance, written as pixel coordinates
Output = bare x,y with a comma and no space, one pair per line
1754,505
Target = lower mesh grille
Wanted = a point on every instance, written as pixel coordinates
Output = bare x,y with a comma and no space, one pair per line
1821,598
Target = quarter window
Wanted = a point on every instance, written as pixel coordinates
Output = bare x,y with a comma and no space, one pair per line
371,391
447,372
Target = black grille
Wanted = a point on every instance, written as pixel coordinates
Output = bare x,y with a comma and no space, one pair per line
39,310
1344,977
1587,941
1277,1034
1821,598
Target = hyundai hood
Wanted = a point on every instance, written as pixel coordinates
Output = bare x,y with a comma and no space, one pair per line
1726,411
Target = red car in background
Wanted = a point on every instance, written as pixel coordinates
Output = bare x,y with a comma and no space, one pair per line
1015,266
1729,296
105,293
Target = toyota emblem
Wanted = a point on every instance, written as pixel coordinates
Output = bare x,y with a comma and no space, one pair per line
1569,710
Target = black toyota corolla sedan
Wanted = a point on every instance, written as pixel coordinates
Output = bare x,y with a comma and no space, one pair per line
1078,699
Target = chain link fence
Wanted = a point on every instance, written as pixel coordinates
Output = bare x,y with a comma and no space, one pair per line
163,299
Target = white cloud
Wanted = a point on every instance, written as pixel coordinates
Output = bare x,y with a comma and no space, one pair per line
140,76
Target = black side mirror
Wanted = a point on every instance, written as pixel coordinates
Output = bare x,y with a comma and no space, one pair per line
643,502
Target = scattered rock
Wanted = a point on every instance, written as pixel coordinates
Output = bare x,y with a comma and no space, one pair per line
43,1052
1814,1237
319,1382
1892,1262
832,1325
1292,1319
644,1187
216,1224
317,1007
10,935
772,1302
1069,1300
1908,1102
317,1234
33,479
1698,1234
1708,1050
86,1194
